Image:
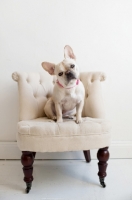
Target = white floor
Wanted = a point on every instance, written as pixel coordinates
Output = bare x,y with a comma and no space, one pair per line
67,180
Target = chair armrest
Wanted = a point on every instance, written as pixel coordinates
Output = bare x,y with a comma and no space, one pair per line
34,89
93,106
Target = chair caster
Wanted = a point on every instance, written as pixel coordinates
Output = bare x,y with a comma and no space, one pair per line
102,182
29,185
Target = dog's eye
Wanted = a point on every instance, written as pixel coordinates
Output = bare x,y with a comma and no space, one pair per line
60,74
72,66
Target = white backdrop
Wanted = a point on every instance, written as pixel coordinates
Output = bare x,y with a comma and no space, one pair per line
100,33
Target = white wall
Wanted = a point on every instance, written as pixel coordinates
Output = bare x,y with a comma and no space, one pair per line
99,31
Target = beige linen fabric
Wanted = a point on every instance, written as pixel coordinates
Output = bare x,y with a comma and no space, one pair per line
39,134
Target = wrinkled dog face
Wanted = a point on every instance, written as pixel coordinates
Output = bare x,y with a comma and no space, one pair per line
67,71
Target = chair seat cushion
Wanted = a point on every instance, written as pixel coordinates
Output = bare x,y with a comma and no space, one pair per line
45,135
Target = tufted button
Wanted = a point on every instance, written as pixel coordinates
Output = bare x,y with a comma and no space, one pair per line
27,80
47,96
35,96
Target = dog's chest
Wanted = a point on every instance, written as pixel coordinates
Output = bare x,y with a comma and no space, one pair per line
70,101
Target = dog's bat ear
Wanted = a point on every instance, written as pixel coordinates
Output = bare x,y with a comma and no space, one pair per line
49,67
68,52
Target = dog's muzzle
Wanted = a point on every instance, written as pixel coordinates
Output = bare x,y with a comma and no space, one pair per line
70,75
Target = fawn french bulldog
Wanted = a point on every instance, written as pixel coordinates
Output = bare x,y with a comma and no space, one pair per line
68,93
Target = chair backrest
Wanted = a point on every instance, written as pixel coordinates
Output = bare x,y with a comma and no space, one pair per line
35,88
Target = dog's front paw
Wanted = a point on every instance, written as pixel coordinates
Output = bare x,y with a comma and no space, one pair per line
54,118
59,120
78,120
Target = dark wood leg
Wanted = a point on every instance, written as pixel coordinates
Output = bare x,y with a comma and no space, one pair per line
27,160
103,156
87,156
34,154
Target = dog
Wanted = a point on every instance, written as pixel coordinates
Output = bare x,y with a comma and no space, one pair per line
68,92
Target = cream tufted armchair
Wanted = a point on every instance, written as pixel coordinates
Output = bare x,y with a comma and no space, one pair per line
37,133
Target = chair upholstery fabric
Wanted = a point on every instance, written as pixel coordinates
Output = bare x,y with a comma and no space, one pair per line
39,134
34,89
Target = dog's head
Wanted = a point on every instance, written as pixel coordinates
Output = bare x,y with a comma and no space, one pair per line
66,71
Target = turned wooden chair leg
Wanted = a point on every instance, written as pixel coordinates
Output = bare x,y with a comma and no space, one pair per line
103,156
87,156
27,160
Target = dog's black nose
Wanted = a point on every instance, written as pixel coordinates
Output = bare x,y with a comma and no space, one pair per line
69,75
68,72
